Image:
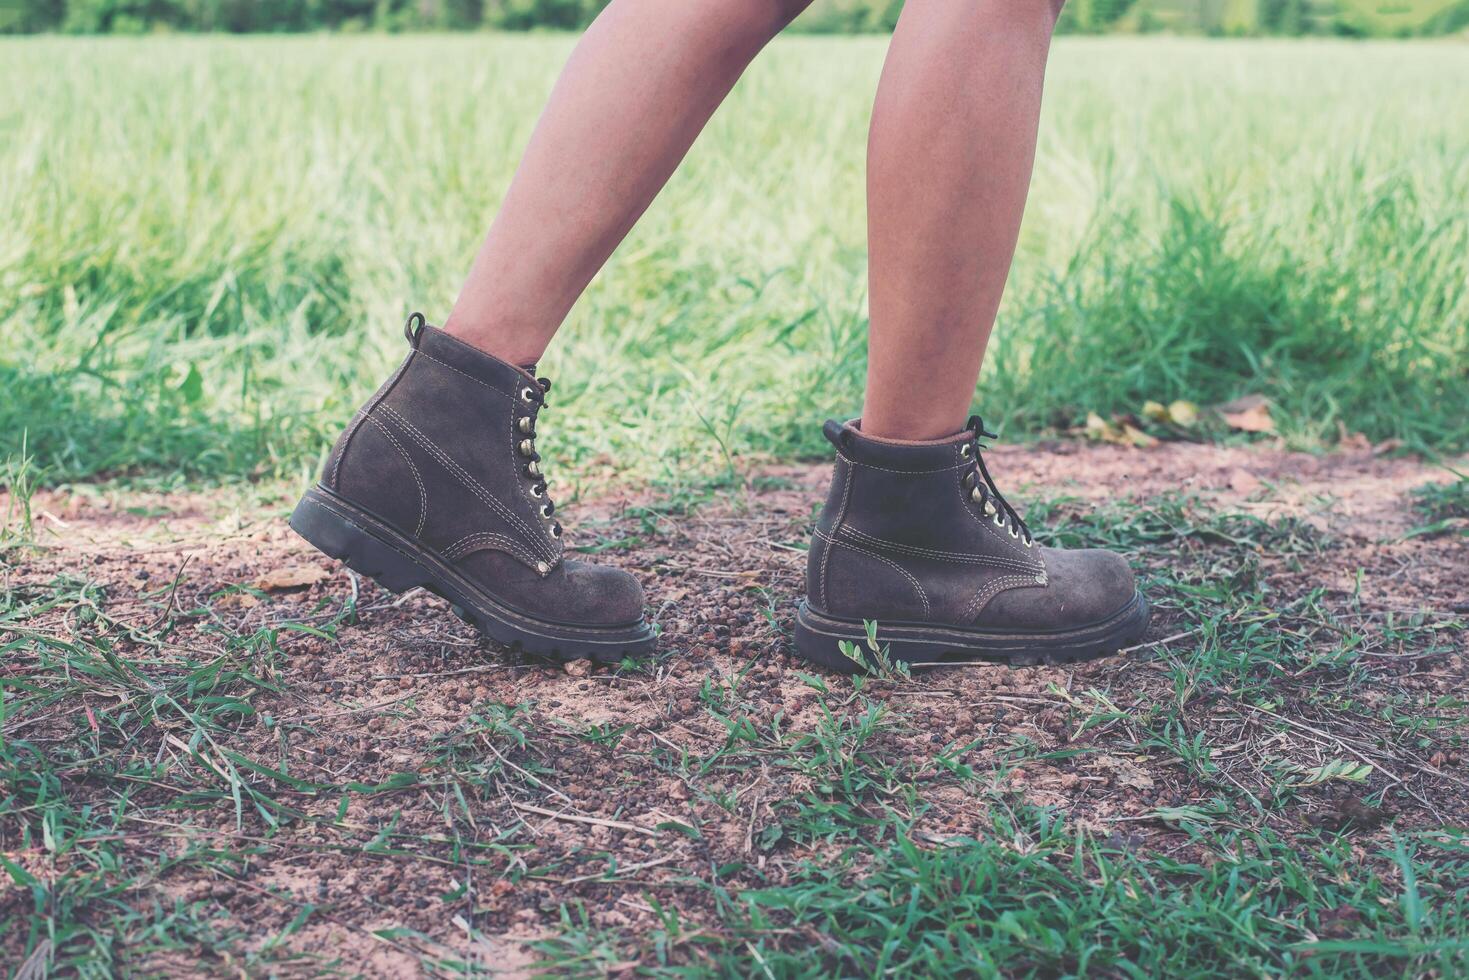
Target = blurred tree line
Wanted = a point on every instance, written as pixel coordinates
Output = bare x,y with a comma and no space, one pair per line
1237,17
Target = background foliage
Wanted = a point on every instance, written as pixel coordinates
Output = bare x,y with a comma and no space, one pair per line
210,244
1244,17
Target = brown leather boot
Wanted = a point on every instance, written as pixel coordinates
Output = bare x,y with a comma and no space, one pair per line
915,536
436,483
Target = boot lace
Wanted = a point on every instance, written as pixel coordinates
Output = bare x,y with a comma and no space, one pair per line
981,486
533,399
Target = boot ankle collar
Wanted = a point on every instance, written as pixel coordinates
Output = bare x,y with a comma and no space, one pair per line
473,363
922,456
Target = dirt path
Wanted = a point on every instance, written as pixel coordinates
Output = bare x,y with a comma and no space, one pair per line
548,776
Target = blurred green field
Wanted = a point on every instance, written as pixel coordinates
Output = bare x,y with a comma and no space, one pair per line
210,245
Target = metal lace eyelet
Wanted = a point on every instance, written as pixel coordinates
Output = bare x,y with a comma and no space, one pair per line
976,496
1014,532
525,424
532,469
536,491
527,396
964,451
999,521
542,567
555,530
546,510
990,510
1030,542
526,447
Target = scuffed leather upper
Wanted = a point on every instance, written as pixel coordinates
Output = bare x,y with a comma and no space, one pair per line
437,454
901,540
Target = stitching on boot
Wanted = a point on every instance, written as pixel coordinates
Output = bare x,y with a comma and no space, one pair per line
471,542
870,466
471,377
422,493
502,610
922,596
836,526
346,443
953,557
991,589
373,402
478,489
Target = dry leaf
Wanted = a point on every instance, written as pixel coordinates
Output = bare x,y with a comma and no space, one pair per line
1248,414
1137,437
1243,481
1180,413
1122,433
1351,812
1183,413
1134,778
296,577
1099,428
1124,772
1354,441
1243,403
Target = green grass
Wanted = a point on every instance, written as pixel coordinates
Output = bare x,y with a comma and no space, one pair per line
1365,18
1393,16
1035,897
210,244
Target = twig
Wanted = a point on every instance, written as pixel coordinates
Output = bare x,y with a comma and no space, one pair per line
319,715
750,827
594,821
172,591
1157,643
1337,740
627,870
536,780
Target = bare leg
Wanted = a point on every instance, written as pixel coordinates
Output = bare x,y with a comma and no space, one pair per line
639,87
948,165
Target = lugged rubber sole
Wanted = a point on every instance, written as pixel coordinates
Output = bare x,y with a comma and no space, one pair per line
818,639
372,548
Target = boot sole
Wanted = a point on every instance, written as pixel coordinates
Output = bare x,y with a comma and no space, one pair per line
374,549
818,639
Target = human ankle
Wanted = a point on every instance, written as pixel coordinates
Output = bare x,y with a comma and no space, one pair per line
514,344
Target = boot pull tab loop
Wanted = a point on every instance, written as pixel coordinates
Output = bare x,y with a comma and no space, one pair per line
836,433
413,328
976,426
